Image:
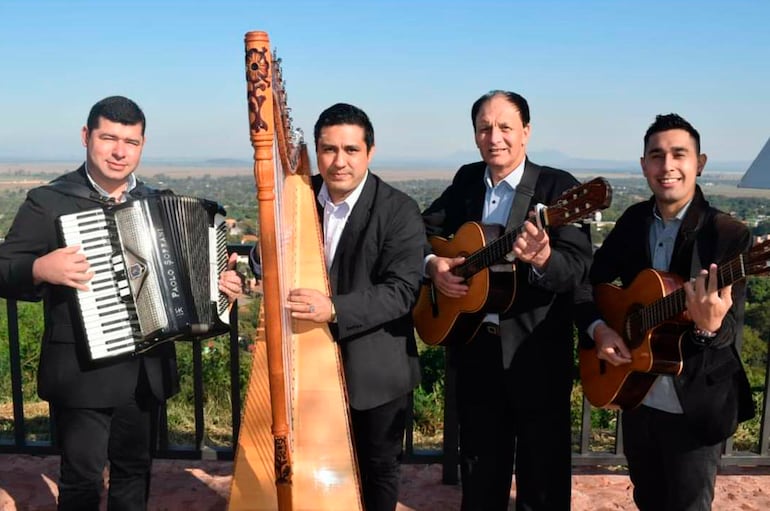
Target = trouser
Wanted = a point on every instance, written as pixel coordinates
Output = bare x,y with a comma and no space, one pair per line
378,434
88,438
670,469
498,431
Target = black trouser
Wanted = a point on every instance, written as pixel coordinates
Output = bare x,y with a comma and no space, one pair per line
88,438
378,434
671,470
498,429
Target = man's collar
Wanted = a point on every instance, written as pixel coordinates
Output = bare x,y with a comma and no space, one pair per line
513,178
678,217
131,184
350,200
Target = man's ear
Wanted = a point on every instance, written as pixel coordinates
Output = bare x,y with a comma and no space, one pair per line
701,163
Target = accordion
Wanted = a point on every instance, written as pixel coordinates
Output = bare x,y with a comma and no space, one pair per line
156,263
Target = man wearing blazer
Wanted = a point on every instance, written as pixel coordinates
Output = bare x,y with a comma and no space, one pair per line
514,377
673,440
373,242
102,412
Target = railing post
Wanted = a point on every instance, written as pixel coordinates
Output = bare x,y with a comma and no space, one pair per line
197,360
764,435
451,423
14,352
235,375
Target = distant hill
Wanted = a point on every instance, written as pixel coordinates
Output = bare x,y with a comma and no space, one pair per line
447,163
549,157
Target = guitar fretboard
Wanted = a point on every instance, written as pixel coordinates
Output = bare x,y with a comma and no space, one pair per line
674,303
491,254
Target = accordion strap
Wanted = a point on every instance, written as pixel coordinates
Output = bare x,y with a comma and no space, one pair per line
74,189
82,191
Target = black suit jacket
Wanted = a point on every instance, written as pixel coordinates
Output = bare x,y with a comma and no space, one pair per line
65,378
539,325
712,388
375,278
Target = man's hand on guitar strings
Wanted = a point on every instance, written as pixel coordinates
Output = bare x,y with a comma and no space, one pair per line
533,246
610,345
440,271
707,305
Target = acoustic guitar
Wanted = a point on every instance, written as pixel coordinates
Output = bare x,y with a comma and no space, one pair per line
648,314
487,270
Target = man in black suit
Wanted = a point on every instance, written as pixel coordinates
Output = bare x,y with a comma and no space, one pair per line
673,440
373,243
514,377
101,412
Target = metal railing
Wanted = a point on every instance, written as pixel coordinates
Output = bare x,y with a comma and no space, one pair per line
447,456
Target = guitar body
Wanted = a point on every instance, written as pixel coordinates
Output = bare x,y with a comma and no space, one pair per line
440,319
491,280
654,351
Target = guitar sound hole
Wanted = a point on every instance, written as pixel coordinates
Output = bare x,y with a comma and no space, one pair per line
632,331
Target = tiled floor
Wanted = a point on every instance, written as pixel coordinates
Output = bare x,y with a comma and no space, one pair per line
29,483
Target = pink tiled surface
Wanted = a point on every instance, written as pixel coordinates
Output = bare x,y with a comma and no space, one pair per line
29,483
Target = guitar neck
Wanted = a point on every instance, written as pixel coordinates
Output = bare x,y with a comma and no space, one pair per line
674,303
573,205
489,255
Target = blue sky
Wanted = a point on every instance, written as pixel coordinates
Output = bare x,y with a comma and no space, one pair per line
595,72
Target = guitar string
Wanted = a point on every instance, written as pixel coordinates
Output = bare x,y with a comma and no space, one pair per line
674,303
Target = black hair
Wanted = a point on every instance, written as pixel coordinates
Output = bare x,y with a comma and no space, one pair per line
116,109
671,122
516,100
343,113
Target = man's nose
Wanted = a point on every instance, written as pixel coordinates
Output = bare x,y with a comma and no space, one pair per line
119,149
339,160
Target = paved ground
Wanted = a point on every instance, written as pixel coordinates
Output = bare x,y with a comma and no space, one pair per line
28,483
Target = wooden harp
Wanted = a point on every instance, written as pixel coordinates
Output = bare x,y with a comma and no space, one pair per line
294,449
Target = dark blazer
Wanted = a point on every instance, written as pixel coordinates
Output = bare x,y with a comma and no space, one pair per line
65,378
539,325
375,278
712,388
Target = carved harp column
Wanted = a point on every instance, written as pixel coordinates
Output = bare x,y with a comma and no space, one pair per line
294,449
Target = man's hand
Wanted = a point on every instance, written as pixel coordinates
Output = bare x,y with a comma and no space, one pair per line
610,346
310,305
66,266
230,281
440,270
706,305
533,246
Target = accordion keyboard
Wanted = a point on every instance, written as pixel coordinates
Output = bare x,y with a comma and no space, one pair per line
109,320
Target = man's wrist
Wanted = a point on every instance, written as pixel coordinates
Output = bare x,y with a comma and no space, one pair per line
703,334
333,318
